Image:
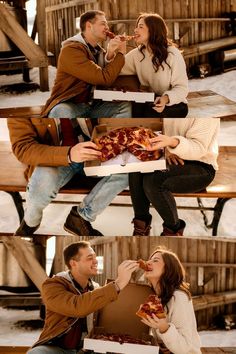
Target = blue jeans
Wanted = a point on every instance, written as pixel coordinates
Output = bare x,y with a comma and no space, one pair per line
48,349
98,109
45,183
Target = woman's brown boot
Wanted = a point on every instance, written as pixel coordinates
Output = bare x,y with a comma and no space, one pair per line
168,232
141,228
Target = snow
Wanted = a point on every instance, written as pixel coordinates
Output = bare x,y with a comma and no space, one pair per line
224,84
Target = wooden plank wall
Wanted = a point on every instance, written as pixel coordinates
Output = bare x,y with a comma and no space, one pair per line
204,20
60,21
209,263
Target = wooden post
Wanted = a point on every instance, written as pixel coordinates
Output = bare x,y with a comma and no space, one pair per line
24,256
41,26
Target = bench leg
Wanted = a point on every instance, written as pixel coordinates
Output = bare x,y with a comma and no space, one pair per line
18,201
202,208
217,214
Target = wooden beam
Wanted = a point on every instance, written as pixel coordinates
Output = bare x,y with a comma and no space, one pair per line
12,28
173,20
207,47
206,301
25,258
69,4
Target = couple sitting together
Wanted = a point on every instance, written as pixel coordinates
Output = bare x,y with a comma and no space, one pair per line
71,298
55,146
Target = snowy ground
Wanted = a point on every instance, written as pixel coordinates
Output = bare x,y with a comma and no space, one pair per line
223,84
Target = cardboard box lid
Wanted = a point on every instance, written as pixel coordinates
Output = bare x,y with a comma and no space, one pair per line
113,123
120,316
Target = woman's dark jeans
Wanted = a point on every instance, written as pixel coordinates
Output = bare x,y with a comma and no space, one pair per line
145,110
156,188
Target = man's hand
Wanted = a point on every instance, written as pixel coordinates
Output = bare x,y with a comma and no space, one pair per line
115,45
84,152
160,103
125,271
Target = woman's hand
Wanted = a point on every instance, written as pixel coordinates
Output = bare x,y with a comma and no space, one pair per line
160,103
157,323
162,141
173,159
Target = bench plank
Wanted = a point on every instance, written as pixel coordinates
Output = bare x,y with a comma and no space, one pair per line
223,187
201,104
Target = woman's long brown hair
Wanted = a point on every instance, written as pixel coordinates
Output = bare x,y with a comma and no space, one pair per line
173,277
158,38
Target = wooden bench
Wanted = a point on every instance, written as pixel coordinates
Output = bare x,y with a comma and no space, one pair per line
223,188
201,104
210,350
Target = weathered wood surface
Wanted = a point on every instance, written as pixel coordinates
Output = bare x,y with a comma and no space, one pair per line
210,350
201,104
25,258
224,184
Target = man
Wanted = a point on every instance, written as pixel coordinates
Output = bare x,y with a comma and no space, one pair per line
52,162
81,65
71,297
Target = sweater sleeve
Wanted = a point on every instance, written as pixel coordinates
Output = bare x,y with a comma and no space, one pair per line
75,61
179,80
60,299
129,67
28,148
195,144
182,336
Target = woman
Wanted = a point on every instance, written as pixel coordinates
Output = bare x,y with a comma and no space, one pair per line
159,66
191,152
178,331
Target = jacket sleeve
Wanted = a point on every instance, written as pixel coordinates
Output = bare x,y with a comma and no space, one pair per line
75,61
30,149
198,138
179,80
60,299
182,336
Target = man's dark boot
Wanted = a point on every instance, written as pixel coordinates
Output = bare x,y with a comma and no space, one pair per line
141,228
78,226
25,230
168,232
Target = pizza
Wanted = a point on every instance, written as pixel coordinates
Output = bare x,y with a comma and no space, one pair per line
133,139
120,338
143,265
151,306
123,38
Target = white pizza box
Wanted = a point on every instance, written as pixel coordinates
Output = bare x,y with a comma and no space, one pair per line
101,346
126,162
119,317
110,95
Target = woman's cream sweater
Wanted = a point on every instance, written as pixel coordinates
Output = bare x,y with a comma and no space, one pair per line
182,336
198,138
172,81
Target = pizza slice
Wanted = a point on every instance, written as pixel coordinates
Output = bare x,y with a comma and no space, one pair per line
138,143
143,265
151,306
123,37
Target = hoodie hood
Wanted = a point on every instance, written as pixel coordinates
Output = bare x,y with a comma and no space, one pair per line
77,38
80,39
66,275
